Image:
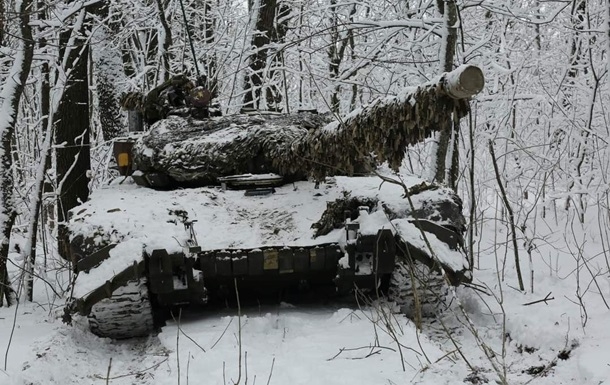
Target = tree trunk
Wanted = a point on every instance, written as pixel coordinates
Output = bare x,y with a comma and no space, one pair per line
35,204
72,137
607,39
577,68
273,94
579,9
107,65
11,96
151,49
2,18
210,63
447,159
129,66
255,77
163,55
336,52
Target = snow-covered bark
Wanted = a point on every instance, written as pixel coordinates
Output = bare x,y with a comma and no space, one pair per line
52,98
607,30
108,76
71,121
165,35
29,249
445,158
266,32
2,23
10,97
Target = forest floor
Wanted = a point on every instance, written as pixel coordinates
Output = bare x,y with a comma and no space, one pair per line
491,337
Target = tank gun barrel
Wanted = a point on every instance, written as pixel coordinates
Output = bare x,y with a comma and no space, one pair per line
386,127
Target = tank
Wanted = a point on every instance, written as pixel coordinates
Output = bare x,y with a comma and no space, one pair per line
213,208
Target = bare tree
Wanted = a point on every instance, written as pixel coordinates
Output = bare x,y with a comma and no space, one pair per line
579,66
336,50
210,58
29,251
266,32
72,155
11,96
2,18
163,55
108,70
447,156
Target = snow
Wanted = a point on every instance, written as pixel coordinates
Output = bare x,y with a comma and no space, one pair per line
410,233
339,343
125,254
226,219
7,95
9,98
370,224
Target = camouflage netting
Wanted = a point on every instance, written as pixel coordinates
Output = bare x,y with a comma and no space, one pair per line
334,215
443,208
384,129
198,152
296,145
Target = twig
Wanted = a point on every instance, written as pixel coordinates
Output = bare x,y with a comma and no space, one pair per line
178,343
372,348
352,313
476,287
23,270
238,329
446,355
545,300
10,339
188,337
223,333
188,368
373,352
134,373
511,215
455,344
271,371
108,372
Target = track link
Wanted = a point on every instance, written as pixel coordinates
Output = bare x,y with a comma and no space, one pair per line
128,313
413,287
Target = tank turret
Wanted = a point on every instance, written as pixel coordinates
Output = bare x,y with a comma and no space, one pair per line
195,152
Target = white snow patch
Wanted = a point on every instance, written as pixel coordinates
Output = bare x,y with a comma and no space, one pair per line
372,223
226,219
122,256
410,233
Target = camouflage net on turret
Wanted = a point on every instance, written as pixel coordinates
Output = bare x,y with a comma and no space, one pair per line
197,152
383,130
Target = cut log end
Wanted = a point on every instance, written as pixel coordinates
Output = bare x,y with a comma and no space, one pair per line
464,82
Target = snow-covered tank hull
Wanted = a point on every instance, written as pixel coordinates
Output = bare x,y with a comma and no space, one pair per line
140,251
194,244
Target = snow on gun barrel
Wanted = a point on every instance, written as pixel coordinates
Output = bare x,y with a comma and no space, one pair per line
136,246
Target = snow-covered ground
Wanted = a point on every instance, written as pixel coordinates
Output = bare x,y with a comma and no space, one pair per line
476,342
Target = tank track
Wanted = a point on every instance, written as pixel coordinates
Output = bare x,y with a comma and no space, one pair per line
414,286
128,313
